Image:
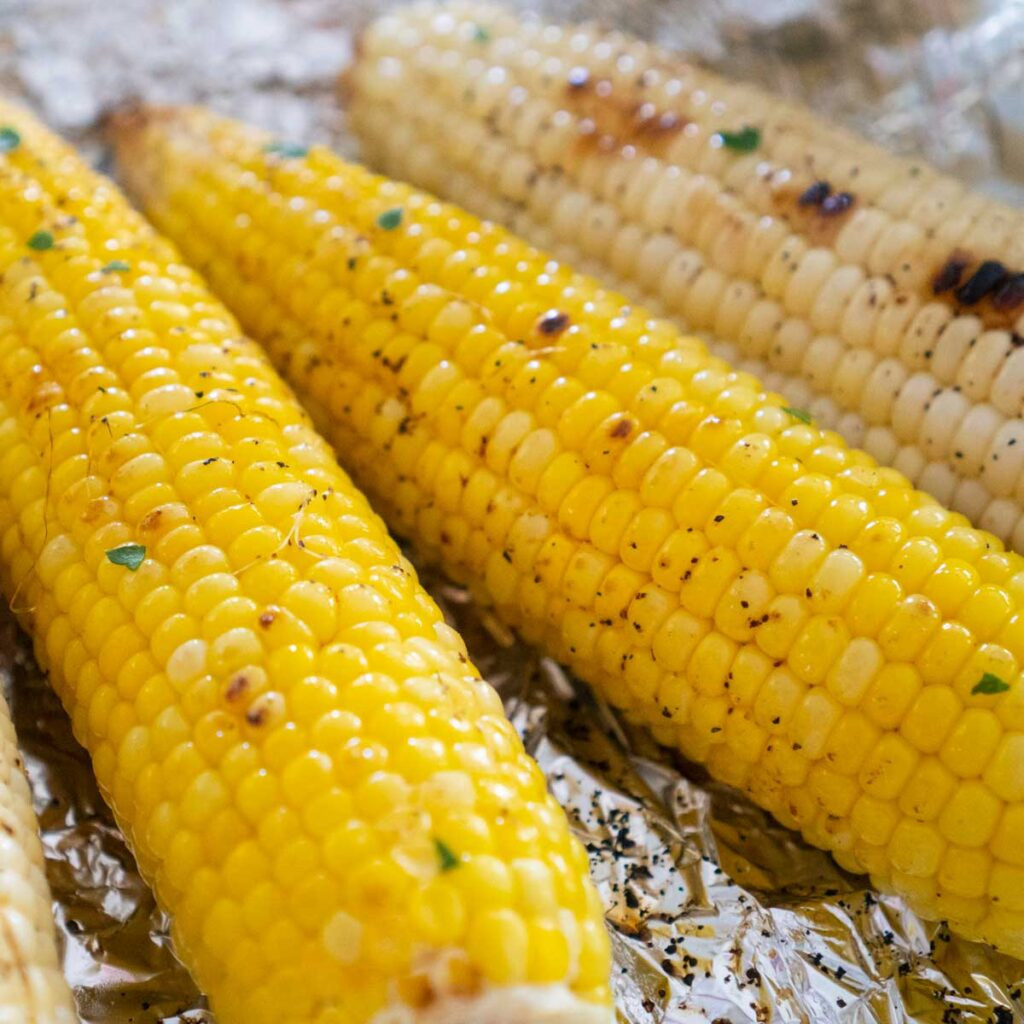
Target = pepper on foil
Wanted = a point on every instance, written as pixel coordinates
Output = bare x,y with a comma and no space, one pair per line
717,914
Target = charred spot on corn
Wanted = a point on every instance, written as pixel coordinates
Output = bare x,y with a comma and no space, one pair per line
237,687
746,140
989,684
10,139
40,241
264,710
985,280
1010,294
991,289
949,275
390,219
819,196
837,203
815,194
650,121
553,322
446,858
131,556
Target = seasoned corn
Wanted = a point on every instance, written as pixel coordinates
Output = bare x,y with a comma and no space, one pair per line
806,624
32,987
879,296
323,792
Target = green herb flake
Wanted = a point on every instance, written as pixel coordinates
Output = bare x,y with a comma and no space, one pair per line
990,683
115,267
9,139
445,856
290,149
797,414
41,241
390,219
131,556
481,34
746,140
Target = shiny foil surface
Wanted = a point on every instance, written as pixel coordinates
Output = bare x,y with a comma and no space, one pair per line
717,914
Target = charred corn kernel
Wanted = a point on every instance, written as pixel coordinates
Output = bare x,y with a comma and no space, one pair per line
788,618
32,986
275,708
841,275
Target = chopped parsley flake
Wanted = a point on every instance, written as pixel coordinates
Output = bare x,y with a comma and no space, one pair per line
41,241
390,219
292,149
990,683
481,34
9,139
746,140
798,414
131,556
445,856
115,266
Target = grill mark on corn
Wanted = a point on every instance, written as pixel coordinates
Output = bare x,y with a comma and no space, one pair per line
237,688
982,287
608,121
820,226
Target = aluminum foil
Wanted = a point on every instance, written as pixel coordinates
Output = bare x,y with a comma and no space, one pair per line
717,914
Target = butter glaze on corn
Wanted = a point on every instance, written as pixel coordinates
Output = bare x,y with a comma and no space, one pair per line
32,986
321,789
605,150
801,621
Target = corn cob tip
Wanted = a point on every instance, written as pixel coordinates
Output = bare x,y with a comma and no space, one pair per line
345,83
550,1004
123,125
126,130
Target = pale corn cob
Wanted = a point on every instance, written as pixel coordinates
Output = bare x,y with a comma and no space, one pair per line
806,624
607,150
32,986
323,792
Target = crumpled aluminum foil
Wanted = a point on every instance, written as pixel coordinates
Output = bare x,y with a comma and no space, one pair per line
717,914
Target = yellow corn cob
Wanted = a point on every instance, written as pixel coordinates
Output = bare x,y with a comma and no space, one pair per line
607,150
323,792
32,987
809,626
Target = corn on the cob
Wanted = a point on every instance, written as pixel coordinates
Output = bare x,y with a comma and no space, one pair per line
323,792
880,296
32,987
805,623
